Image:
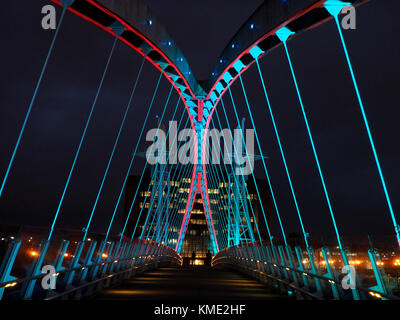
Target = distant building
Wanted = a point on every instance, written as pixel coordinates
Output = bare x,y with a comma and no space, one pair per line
197,237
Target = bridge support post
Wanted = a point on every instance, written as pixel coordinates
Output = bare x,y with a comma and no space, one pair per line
123,254
8,263
314,269
87,262
302,267
69,277
97,260
355,293
107,259
28,288
379,273
289,253
330,273
61,255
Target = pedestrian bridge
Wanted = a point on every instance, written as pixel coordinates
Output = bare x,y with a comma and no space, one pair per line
251,259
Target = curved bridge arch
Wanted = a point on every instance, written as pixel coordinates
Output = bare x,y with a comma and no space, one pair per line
255,39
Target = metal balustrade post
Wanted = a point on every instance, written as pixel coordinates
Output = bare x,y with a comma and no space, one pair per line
302,267
330,273
107,259
115,255
87,261
29,286
143,251
129,256
69,277
61,255
8,263
277,270
314,269
136,253
289,253
267,260
97,260
123,255
355,293
379,273
139,252
283,262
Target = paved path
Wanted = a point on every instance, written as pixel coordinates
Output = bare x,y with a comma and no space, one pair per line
189,283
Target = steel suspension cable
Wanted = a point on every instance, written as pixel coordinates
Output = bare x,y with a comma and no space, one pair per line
114,148
133,157
251,168
150,206
328,201
262,159
305,234
159,124
234,175
367,127
83,136
44,67
144,169
148,190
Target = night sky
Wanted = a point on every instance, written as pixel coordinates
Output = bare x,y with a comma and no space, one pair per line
201,29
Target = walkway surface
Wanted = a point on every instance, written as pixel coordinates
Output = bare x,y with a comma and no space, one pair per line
189,283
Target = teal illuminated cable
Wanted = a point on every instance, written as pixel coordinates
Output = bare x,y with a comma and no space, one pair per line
335,13
251,168
252,173
144,227
262,159
64,10
153,176
181,198
223,196
175,213
213,180
215,177
113,150
137,190
148,190
176,221
221,216
234,175
82,137
152,179
213,173
133,156
283,35
305,235
152,223
219,178
150,207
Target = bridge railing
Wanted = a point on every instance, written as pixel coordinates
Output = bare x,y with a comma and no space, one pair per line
112,262
277,267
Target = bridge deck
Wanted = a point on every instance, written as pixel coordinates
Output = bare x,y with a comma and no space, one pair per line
189,283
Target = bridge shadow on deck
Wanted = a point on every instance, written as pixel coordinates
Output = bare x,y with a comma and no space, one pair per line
189,283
